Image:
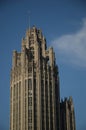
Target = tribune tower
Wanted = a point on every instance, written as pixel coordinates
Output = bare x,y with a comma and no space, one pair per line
34,85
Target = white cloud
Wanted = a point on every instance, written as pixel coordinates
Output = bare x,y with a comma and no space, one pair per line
72,47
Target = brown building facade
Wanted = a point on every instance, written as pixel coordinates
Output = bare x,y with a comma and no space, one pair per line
34,87
67,114
34,101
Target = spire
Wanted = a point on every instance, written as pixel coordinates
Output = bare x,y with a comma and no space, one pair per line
29,18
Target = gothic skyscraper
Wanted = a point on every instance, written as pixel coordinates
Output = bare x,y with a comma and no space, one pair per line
35,99
34,87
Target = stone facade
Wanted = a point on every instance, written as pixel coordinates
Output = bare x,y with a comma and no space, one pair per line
34,88
67,114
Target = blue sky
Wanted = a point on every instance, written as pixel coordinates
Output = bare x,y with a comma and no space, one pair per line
63,23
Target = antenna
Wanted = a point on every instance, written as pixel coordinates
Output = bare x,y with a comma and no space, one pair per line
29,19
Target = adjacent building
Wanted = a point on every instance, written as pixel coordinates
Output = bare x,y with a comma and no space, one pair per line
67,114
34,86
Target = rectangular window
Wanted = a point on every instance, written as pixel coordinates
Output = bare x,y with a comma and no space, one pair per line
25,84
14,91
30,120
30,93
30,127
17,91
29,84
30,112
30,67
30,103
19,88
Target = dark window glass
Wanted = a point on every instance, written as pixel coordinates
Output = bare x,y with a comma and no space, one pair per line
29,84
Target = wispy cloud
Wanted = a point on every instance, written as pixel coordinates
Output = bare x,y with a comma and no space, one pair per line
72,47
